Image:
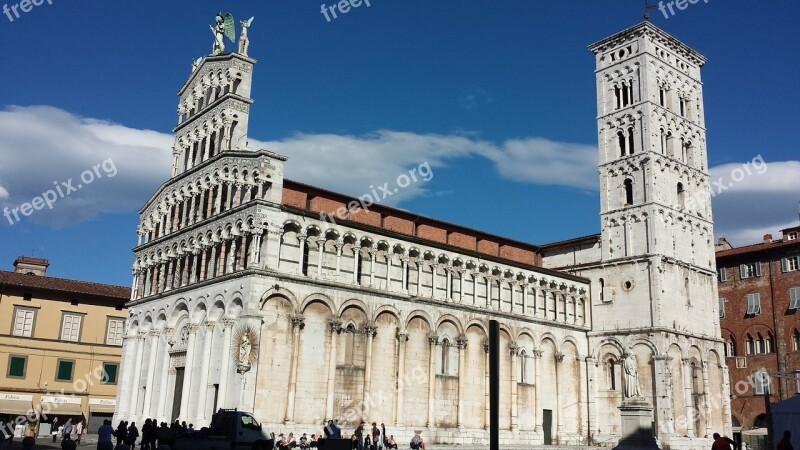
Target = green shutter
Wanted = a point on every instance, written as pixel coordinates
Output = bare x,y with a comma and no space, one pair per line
111,373
64,371
16,366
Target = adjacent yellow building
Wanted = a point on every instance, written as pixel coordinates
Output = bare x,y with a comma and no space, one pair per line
60,347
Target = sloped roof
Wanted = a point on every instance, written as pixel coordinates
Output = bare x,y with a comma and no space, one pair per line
63,285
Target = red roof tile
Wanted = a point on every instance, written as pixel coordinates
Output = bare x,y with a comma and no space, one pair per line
64,285
757,248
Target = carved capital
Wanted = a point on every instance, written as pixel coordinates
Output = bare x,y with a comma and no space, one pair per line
538,354
168,333
192,328
402,335
141,335
370,329
335,325
209,326
513,350
433,339
461,343
154,333
298,321
227,323
559,357
486,346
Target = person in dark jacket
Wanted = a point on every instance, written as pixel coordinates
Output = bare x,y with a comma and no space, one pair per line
133,433
121,433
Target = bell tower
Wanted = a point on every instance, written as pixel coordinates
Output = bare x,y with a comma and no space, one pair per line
654,181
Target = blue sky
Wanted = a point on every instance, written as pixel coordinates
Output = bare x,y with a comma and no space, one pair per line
499,98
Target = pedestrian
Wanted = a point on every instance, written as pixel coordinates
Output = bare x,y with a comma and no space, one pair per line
67,432
360,436
721,443
383,435
121,433
133,433
54,428
28,442
376,435
104,434
786,441
78,432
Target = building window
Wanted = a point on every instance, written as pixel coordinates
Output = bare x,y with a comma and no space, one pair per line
681,196
612,375
628,192
110,373
71,327
16,366
730,348
630,141
761,382
750,270
770,344
721,308
64,369
796,340
751,347
753,304
115,330
662,96
794,298
24,319
445,356
790,264
618,96
722,275
792,236
621,142
759,344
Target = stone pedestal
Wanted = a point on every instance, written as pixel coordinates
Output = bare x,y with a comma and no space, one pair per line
637,425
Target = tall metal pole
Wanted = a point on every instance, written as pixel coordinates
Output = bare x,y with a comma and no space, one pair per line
494,385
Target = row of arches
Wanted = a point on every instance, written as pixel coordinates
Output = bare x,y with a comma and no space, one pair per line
211,84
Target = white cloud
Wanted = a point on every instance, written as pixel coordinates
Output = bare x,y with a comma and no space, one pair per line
755,198
42,147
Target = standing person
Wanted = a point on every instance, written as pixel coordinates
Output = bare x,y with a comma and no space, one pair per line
383,435
78,432
786,441
376,436
68,430
133,433
360,436
104,434
54,428
122,433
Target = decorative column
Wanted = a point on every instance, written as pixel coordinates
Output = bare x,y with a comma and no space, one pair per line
488,292
511,287
513,351
706,400
339,246
356,256
372,253
591,394
402,338
137,372
419,275
461,285
486,386
320,254
433,340
202,410
433,279
126,372
388,269
187,375
537,398
461,343
298,322
559,397
524,287
687,397
336,329
153,338
662,394
231,257
226,367
474,288
163,378
369,330
255,249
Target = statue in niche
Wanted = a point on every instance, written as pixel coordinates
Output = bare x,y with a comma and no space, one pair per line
631,387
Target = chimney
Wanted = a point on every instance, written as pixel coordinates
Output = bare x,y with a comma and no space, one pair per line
767,238
722,244
31,266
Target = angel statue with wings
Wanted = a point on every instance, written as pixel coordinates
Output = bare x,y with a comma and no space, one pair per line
224,28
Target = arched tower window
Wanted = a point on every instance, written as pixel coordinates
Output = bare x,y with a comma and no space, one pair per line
625,97
523,358
663,142
612,375
621,142
445,356
681,196
731,347
759,344
630,141
628,192
796,340
602,289
770,344
617,96
662,96
630,92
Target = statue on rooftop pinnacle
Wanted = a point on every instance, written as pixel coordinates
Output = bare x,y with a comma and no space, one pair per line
244,41
224,28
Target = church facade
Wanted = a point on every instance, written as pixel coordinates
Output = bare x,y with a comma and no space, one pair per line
251,292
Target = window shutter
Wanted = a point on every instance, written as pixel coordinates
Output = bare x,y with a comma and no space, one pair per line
721,308
794,298
758,268
757,302
743,271
784,264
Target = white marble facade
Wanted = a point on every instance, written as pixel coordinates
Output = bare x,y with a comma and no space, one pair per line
240,301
